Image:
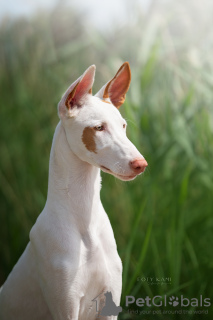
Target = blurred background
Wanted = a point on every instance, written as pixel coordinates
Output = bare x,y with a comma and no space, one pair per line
163,220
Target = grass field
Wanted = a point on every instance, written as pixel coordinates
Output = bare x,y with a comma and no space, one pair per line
163,220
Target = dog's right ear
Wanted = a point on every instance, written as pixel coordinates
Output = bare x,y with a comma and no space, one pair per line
75,95
115,90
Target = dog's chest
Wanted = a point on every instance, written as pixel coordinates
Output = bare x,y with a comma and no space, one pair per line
100,272
97,260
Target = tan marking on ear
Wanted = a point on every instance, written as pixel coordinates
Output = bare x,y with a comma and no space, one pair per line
106,101
124,65
70,96
121,100
90,90
106,94
88,138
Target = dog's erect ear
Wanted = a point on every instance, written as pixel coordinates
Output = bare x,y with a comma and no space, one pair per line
75,95
115,90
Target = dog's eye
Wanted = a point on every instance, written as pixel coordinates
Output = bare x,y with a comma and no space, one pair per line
99,128
124,125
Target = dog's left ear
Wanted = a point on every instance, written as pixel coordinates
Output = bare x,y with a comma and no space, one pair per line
115,90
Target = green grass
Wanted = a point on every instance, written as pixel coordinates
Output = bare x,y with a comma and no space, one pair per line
163,220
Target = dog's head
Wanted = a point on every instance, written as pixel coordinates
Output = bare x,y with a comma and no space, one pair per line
95,129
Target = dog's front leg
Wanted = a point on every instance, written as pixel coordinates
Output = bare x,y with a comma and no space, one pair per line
60,288
57,269
61,297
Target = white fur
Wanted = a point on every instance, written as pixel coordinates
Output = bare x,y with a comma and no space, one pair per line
72,255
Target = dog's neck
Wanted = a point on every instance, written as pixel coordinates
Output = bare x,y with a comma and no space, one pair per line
74,185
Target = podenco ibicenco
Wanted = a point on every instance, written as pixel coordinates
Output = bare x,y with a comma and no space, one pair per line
72,255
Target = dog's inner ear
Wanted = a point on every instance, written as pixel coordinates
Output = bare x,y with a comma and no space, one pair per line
80,88
115,90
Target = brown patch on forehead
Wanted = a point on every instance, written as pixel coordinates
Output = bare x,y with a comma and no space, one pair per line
88,138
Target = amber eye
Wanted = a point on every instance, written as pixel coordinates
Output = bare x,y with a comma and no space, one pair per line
124,125
99,128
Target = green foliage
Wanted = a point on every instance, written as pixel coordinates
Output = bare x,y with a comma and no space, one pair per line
162,220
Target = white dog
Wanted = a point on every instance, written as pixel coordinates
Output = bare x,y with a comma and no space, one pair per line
72,256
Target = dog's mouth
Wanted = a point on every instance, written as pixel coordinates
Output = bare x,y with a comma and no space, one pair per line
119,176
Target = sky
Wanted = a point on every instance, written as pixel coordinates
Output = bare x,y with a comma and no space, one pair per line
101,13
22,7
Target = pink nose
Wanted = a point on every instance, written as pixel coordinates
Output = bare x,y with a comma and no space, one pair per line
138,165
